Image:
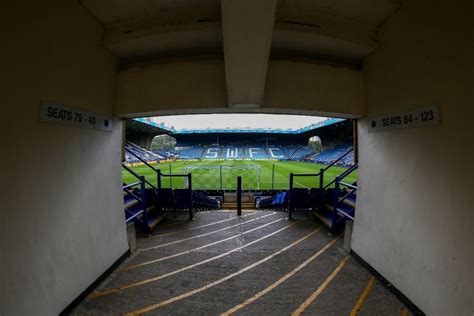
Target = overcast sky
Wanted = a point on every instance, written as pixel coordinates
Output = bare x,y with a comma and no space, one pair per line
235,121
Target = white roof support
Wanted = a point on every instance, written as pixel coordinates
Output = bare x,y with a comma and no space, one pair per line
247,31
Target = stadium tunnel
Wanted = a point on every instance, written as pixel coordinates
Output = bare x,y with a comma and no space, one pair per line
62,223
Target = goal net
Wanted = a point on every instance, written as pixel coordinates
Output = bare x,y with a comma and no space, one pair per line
208,177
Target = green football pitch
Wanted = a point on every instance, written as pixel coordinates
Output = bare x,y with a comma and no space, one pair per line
256,174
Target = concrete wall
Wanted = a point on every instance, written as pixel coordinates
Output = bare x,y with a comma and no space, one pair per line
61,218
304,86
414,211
198,86
171,86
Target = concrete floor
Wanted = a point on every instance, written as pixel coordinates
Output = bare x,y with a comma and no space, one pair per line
246,258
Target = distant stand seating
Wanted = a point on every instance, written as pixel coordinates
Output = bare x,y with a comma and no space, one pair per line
164,154
302,152
328,156
144,154
245,152
272,152
191,153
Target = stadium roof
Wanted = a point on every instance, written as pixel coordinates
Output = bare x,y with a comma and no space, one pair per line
246,130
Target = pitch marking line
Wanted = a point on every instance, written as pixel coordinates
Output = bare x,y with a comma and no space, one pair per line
196,249
321,288
202,235
363,296
219,281
280,281
154,279
205,225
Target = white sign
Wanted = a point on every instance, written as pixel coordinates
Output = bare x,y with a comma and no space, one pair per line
422,117
52,112
272,153
212,153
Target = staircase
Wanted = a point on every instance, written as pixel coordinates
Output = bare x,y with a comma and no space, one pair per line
332,206
340,202
332,216
140,204
230,201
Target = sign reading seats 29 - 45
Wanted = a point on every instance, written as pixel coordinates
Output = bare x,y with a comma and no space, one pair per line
53,112
421,117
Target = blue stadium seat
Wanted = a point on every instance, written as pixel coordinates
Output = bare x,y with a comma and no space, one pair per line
231,152
191,153
255,152
328,156
144,154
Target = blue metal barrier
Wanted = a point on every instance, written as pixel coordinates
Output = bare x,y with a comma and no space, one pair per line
239,195
339,215
320,174
140,215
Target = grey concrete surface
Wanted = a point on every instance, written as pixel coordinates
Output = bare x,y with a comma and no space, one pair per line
338,298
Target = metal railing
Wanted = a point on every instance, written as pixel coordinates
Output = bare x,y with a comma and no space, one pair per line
159,176
190,188
142,199
319,174
338,200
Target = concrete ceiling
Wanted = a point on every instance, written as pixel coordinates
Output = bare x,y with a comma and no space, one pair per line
245,32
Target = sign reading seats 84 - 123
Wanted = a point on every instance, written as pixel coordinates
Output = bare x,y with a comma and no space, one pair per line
421,117
53,112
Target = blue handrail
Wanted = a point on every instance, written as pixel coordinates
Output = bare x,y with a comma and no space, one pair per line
338,200
139,176
338,159
143,212
158,179
342,175
320,174
125,187
140,158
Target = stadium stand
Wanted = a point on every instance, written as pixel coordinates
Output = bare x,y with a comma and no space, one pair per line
164,154
134,150
277,152
146,204
231,152
297,153
278,202
328,156
302,152
247,152
191,153
332,205
255,152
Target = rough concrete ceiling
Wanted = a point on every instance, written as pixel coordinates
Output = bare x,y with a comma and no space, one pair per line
343,31
372,12
110,11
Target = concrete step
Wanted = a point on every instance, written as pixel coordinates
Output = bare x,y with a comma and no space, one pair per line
323,217
131,203
348,201
233,206
153,221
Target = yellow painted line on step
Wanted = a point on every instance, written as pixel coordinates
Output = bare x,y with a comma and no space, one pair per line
280,281
159,277
201,226
321,288
219,281
363,296
203,235
139,265
405,311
